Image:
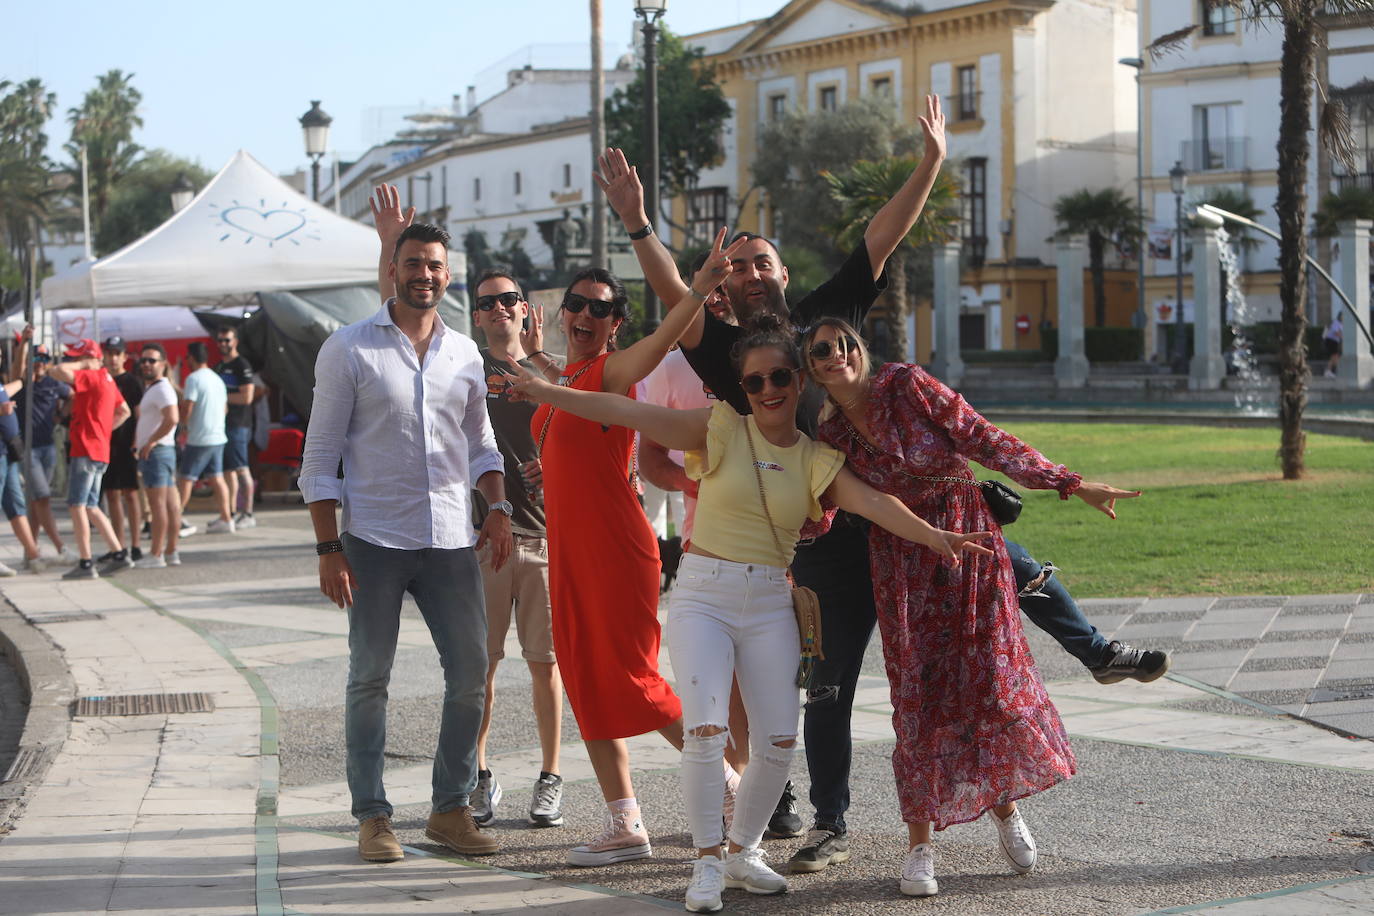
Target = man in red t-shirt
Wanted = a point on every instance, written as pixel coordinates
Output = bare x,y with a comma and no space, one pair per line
97,408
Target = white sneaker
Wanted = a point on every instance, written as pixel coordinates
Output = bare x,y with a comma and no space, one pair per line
152,561
244,520
708,880
485,798
186,529
66,555
623,839
918,872
172,558
6,571
1018,846
34,564
748,869
220,526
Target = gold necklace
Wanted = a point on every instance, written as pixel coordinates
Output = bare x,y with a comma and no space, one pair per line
863,394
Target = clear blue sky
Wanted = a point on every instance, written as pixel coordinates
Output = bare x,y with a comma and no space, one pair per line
217,77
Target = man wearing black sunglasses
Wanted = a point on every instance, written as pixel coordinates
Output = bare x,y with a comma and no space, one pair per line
836,564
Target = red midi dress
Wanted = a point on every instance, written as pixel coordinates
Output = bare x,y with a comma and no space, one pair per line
603,572
975,727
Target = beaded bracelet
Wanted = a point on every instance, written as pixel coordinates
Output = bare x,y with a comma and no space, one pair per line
324,547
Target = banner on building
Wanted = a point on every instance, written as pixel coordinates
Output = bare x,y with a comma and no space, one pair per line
1162,243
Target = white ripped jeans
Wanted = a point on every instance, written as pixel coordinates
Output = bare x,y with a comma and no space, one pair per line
729,618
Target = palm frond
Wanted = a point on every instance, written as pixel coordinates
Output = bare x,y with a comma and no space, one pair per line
1169,42
1335,133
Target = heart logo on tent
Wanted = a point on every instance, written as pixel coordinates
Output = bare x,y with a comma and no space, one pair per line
273,225
73,328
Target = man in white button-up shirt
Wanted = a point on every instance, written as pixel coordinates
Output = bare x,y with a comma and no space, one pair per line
401,400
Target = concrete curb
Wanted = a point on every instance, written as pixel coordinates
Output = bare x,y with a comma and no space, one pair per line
45,676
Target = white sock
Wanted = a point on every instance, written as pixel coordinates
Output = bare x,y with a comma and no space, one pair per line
623,805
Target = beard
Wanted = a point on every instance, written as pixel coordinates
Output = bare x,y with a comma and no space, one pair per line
405,296
773,301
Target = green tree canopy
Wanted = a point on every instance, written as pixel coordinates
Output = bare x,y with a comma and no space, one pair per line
26,189
1105,215
691,115
104,126
797,149
1340,206
142,200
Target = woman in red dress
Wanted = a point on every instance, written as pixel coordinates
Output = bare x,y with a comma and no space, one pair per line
603,558
975,727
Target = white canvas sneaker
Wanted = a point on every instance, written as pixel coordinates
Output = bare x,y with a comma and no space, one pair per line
918,872
1018,846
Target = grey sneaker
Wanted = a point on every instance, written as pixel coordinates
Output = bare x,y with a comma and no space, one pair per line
34,564
244,520
83,570
172,558
485,798
546,806
152,561
118,561
824,846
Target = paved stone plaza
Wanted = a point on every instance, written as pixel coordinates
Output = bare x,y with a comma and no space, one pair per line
1247,773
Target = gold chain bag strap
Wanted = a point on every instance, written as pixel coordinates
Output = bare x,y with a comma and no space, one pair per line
805,604
633,476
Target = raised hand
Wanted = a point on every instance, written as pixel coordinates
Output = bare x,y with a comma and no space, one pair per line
1103,497
529,386
390,220
933,126
619,181
716,267
532,338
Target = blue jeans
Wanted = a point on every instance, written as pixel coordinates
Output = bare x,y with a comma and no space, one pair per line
83,482
1056,613
42,467
199,461
236,449
159,468
11,488
836,567
447,586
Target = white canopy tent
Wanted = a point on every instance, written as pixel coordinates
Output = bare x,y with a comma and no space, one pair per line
246,232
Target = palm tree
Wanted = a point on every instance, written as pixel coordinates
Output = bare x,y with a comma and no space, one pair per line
1340,206
104,125
863,189
25,184
1103,216
1303,35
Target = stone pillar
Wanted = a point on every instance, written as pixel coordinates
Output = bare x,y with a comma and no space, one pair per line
1356,369
1207,369
1071,366
948,365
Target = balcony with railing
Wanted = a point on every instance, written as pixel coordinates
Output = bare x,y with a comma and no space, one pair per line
963,106
1362,180
1225,154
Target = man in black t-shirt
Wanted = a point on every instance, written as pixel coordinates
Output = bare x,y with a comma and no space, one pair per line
521,586
119,486
237,374
836,564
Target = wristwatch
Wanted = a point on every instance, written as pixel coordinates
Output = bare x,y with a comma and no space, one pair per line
503,506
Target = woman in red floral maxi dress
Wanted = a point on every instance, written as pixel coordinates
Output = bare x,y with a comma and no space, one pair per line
975,727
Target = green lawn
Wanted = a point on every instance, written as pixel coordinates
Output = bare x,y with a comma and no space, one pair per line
1216,517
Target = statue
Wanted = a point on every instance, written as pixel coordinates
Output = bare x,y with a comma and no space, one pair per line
567,235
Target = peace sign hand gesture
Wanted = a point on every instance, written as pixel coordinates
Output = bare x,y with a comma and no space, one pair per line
716,267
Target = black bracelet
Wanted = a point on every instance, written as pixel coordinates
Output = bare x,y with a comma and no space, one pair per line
644,233
324,547
537,353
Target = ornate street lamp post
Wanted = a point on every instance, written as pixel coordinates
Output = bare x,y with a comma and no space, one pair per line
315,125
1178,180
650,11
1138,65
182,192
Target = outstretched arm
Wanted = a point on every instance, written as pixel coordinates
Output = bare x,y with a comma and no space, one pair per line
853,495
620,182
391,221
891,224
679,429
625,367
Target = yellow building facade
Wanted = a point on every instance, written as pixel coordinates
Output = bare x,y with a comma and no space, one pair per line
1037,107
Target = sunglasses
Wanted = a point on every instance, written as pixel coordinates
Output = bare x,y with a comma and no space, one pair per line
599,308
824,349
780,377
508,300
148,361
224,340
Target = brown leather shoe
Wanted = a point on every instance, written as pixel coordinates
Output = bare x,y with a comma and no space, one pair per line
377,841
458,831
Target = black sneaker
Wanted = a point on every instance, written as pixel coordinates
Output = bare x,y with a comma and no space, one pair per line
135,554
105,557
1124,660
785,822
824,846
